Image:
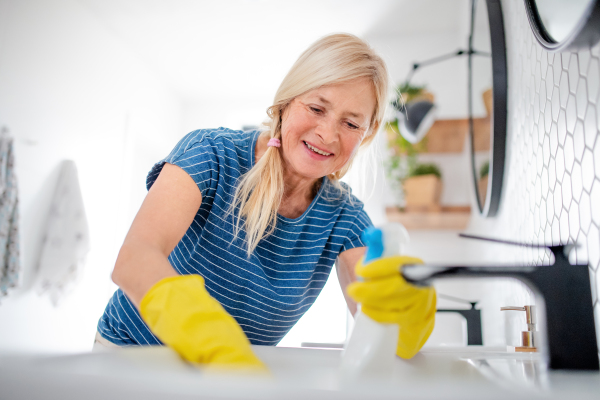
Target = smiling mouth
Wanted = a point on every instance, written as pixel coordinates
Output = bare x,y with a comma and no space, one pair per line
315,150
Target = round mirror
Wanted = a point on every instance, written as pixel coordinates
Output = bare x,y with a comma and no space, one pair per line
487,103
559,25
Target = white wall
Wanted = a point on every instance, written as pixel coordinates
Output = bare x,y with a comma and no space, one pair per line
70,89
231,113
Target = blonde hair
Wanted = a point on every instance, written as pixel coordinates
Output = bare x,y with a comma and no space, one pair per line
331,60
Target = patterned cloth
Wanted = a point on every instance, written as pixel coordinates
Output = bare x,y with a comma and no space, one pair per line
269,291
9,217
66,237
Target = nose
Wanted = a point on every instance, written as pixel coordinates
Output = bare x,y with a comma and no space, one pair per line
327,130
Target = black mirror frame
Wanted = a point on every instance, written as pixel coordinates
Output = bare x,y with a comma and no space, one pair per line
585,34
499,115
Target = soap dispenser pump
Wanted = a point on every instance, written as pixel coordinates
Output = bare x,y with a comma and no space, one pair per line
529,338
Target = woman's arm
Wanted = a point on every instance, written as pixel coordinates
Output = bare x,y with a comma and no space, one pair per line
165,215
345,264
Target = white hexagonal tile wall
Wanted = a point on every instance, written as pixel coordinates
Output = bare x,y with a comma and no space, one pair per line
593,251
595,200
569,153
590,130
573,74
593,80
571,111
578,140
562,127
560,164
582,98
587,170
585,212
564,226
553,177
597,158
576,181
563,86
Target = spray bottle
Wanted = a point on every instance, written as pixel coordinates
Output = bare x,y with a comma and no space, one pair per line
371,348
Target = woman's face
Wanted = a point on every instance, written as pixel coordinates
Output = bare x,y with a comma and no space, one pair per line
322,129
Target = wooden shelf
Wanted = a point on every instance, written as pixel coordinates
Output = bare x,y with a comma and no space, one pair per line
449,135
450,218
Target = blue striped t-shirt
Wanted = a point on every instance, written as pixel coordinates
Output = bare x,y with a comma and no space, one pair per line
268,292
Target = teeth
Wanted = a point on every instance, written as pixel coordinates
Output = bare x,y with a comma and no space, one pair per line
317,150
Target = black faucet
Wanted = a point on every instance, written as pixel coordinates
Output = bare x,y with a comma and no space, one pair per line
473,317
566,292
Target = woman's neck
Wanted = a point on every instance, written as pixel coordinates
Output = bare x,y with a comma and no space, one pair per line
299,187
298,194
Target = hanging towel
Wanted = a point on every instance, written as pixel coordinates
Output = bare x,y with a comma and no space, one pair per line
9,216
66,237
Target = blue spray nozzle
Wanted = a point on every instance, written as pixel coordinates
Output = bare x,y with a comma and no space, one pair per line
373,238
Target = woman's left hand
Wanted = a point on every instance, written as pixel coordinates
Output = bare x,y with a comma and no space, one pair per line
387,298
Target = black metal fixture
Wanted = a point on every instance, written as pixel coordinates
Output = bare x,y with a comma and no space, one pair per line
472,316
564,25
564,289
490,203
415,118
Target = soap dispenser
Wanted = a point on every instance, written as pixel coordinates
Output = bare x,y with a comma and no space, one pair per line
371,348
529,338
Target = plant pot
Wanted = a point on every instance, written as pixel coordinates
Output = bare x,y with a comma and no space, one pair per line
422,193
488,101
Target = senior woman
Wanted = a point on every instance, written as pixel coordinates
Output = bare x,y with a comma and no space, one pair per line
239,230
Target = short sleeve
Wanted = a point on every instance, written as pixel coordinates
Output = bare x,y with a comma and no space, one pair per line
197,154
360,223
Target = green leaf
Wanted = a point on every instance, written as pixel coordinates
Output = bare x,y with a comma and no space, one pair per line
485,169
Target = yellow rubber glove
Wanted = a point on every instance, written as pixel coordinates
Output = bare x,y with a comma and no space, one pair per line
186,318
387,298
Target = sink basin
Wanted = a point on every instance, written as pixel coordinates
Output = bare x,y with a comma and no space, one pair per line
297,373
525,370
526,373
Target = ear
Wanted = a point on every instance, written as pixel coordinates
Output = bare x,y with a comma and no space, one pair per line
285,109
374,128
283,113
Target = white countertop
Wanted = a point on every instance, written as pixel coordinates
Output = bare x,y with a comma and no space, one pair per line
158,373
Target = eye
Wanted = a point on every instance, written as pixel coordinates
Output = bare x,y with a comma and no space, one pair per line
315,109
351,125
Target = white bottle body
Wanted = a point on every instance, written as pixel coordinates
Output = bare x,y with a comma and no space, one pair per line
371,348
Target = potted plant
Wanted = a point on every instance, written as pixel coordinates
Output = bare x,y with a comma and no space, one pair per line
423,188
402,166
403,154
482,183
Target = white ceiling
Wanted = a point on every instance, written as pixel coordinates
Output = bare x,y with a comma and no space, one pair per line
243,48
